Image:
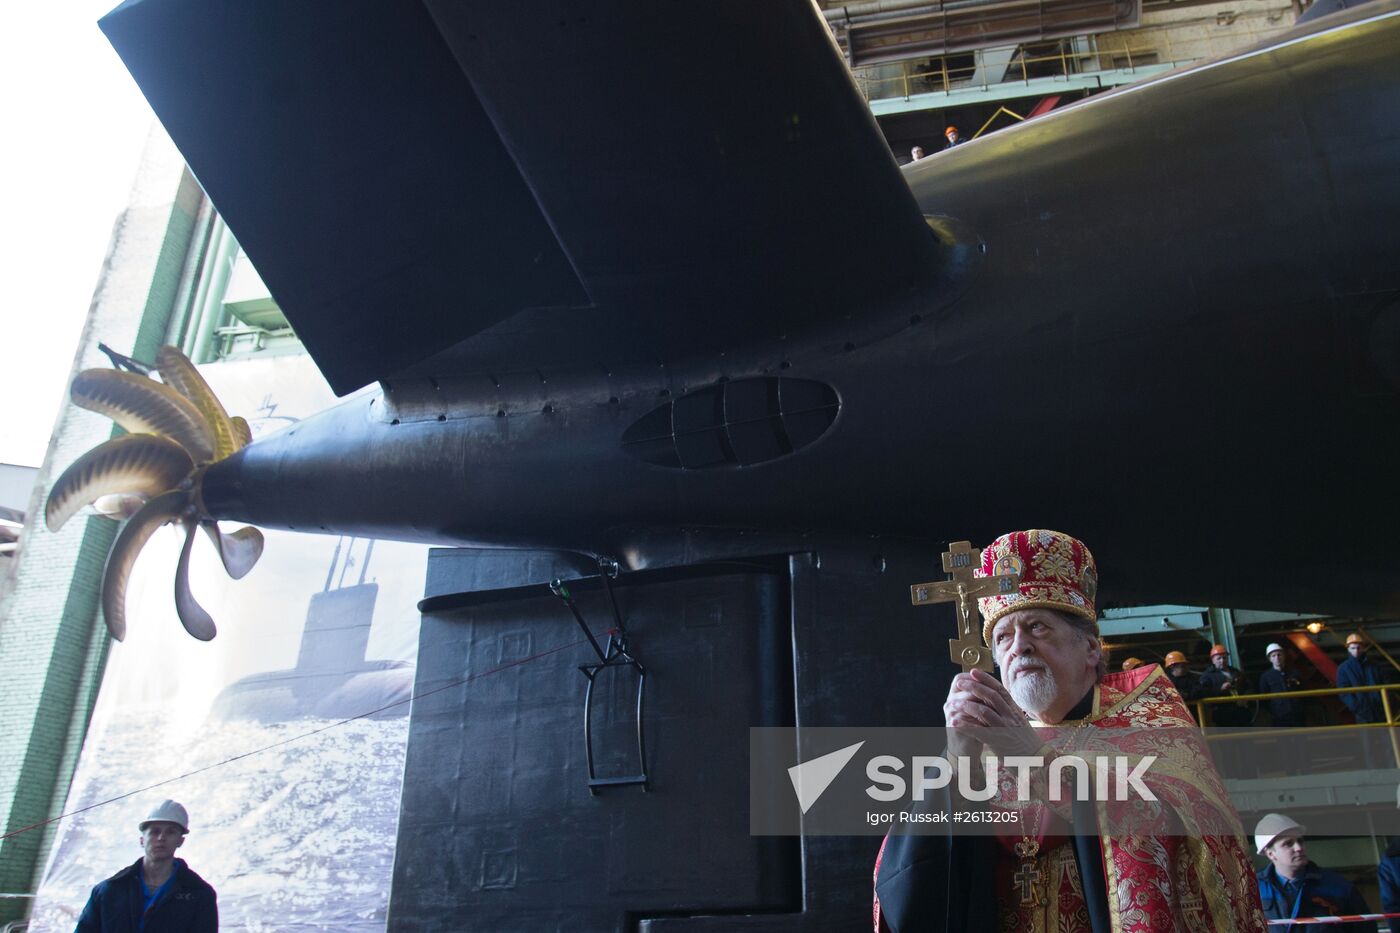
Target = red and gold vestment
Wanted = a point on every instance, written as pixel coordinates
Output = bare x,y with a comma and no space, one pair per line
1177,865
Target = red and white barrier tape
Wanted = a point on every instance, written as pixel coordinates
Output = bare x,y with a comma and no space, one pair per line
1344,918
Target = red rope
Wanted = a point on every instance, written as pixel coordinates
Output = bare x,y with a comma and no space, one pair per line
1341,918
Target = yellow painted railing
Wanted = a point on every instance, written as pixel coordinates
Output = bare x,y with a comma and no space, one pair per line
1148,44
1382,689
944,78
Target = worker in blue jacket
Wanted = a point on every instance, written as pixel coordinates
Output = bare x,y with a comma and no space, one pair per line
1388,874
1360,671
1291,886
158,894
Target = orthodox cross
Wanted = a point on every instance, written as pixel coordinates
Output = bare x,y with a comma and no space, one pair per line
959,561
1028,876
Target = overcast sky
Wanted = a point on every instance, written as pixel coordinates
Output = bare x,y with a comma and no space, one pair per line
74,126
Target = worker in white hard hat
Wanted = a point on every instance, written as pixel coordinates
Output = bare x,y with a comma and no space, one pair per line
1280,679
159,893
1291,886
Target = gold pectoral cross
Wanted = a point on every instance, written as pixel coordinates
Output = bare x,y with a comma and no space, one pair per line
960,561
1027,877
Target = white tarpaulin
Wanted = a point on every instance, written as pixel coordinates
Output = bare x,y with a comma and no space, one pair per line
293,809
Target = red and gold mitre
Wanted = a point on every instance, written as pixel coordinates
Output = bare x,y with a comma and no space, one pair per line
1057,572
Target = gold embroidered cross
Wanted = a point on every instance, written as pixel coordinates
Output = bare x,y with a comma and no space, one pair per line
959,561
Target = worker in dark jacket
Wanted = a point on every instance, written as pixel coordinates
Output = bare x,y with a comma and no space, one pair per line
1223,679
1388,874
1290,886
1360,671
158,894
1279,679
1186,683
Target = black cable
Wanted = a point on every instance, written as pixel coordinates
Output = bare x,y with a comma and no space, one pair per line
297,738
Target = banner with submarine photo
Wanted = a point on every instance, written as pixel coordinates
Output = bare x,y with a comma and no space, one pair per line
289,727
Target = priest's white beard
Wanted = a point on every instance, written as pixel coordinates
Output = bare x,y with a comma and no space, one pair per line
1035,691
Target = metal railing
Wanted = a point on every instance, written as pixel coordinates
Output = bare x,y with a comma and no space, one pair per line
1133,48
943,79
999,111
1234,733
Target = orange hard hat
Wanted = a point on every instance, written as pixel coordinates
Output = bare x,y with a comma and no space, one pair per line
1355,638
1132,664
1175,657
951,129
1218,649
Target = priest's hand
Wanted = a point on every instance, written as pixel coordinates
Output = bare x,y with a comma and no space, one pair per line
979,710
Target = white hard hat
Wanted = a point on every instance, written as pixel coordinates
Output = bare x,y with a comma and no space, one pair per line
1273,646
168,812
1272,826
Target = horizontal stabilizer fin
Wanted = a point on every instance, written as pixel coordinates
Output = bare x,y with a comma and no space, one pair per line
412,178
349,156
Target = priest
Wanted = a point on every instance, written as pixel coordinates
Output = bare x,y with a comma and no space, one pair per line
1074,863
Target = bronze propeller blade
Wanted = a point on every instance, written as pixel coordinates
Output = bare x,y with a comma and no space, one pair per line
143,464
242,430
144,406
179,372
193,616
239,551
160,510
